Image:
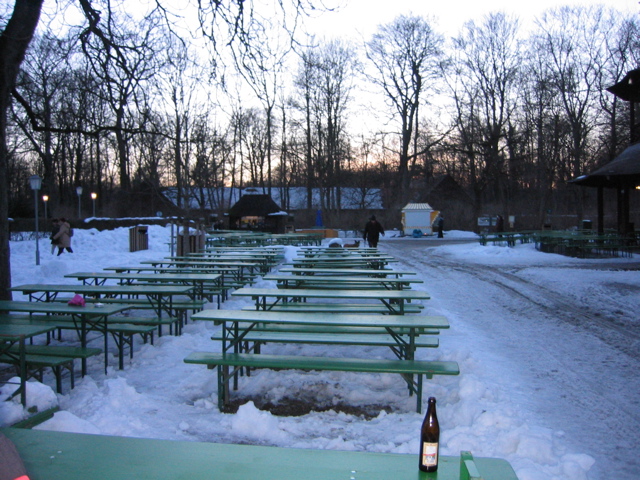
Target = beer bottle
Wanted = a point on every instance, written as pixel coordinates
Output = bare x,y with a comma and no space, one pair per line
430,439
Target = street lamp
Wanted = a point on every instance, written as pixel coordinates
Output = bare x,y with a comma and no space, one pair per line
79,192
93,199
45,199
36,183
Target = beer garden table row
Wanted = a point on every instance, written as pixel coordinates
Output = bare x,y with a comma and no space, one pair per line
384,294
122,456
240,238
46,310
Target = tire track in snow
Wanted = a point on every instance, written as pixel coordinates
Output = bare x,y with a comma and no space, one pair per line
573,353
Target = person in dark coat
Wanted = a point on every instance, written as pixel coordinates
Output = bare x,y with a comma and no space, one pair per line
438,225
499,224
55,228
372,231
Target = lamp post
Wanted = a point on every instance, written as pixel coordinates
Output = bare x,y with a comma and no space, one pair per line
79,192
45,199
36,183
94,195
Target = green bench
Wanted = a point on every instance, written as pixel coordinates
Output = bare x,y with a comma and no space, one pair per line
336,308
321,329
180,306
60,351
65,322
411,370
154,321
123,334
36,364
258,337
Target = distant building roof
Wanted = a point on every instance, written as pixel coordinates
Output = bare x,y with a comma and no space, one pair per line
623,171
417,206
254,204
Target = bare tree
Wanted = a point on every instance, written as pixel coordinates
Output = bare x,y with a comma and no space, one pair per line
487,74
406,55
223,21
572,40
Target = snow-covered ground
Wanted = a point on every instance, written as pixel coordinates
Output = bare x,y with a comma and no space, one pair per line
547,347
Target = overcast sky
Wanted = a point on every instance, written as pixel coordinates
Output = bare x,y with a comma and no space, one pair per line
360,18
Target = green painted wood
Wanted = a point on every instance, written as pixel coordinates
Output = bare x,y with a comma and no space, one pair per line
61,351
335,308
158,277
468,467
341,271
340,281
38,360
61,308
338,293
91,318
340,320
130,329
104,289
330,339
342,364
36,419
13,332
313,329
73,456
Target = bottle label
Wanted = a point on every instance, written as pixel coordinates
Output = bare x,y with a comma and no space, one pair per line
429,454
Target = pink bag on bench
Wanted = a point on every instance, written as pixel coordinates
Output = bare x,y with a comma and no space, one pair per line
77,301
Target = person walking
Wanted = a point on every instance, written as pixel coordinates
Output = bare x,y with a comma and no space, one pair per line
55,228
63,237
438,225
372,231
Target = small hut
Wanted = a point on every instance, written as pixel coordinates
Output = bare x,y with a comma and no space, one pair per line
621,174
417,216
258,212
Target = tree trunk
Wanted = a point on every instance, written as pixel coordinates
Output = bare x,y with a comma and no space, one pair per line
14,42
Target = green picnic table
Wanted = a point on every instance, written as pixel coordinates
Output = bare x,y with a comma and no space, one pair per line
340,262
237,324
159,298
50,455
312,252
242,327
368,272
248,268
88,318
12,335
341,281
232,275
204,285
268,298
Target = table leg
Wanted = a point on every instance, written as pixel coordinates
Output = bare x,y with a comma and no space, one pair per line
23,372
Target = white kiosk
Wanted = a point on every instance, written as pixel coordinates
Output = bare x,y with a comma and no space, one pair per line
418,216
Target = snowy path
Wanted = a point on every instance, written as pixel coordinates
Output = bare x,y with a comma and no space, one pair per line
575,352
